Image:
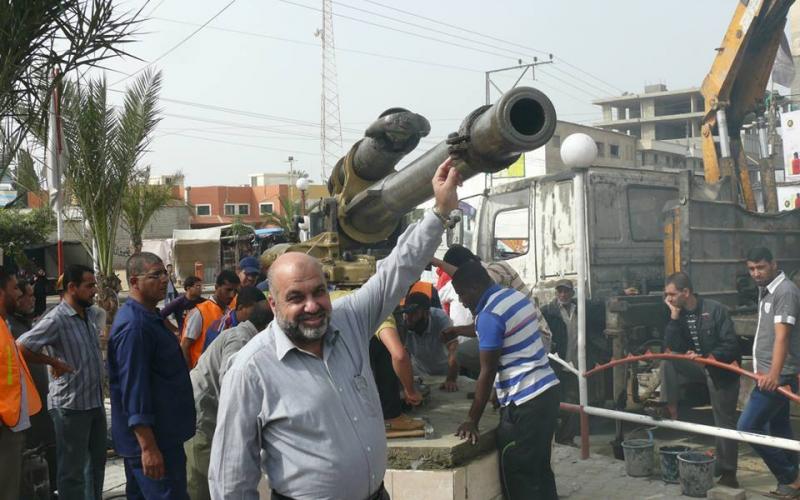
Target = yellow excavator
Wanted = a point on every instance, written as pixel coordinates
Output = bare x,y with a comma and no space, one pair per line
734,88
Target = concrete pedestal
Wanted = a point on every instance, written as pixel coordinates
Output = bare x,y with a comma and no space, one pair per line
445,467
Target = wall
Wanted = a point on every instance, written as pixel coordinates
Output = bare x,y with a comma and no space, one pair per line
176,216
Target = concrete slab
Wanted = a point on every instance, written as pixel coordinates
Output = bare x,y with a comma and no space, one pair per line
445,411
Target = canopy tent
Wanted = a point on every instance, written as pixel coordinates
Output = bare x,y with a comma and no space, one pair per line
197,245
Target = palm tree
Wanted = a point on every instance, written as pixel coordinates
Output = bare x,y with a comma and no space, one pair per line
40,36
140,202
105,147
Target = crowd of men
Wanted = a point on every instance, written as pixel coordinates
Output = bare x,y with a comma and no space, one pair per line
304,384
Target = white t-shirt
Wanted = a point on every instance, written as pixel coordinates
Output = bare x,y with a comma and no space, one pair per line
459,315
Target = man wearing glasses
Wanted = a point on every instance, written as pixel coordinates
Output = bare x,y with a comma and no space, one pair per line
152,404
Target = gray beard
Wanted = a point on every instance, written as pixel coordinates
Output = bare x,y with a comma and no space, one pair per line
298,332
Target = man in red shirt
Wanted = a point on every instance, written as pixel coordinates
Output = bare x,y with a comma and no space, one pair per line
795,164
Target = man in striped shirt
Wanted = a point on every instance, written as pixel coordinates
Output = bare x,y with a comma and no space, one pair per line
67,339
513,357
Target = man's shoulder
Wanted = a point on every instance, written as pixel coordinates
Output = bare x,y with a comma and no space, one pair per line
439,314
787,287
260,353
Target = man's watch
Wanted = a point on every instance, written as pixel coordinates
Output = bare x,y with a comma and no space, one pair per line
449,221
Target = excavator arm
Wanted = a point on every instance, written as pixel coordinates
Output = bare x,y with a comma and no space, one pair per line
734,88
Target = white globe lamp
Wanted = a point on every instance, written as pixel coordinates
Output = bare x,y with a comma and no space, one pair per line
578,151
302,184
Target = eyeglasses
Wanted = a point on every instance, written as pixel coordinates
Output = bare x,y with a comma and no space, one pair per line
156,275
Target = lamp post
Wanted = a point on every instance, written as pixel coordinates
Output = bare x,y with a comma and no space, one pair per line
302,186
578,151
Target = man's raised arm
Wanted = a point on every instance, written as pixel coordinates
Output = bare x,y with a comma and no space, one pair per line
378,297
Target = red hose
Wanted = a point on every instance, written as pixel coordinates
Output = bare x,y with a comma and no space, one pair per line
710,361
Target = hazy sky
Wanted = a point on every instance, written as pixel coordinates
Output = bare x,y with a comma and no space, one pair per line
267,74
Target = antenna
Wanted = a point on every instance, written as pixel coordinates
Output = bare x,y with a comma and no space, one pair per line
331,125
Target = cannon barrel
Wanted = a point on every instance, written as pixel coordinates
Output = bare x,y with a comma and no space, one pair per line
490,139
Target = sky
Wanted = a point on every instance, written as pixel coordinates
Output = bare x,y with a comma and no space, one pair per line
243,94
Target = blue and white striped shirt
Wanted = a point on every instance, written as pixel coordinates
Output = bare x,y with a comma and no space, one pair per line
75,340
508,320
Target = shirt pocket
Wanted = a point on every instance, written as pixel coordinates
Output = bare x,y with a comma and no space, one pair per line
367,393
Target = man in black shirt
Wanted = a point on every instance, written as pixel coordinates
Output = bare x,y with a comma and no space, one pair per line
179,307
702,327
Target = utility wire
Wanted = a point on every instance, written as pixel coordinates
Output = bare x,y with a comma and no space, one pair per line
316,45
497,39
171,49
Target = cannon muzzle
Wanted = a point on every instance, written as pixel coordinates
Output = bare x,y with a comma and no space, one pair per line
489,140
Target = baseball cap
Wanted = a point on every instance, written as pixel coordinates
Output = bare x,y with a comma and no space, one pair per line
250,265
565,283
416,301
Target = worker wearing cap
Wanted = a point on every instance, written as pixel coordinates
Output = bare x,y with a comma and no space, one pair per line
423,325
249,271
562,315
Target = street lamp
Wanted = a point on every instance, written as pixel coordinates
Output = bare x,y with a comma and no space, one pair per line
302,186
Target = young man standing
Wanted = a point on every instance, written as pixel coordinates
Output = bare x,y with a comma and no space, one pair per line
513,357
18,397
776,362
204,322
702,327
70,334
172,292
152,407
181,306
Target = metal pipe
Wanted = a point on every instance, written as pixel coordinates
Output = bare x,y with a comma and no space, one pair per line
568,366
580,255
490,139
762,138
709,430
724,138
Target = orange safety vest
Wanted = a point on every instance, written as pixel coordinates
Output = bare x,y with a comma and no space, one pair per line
10,384
212,313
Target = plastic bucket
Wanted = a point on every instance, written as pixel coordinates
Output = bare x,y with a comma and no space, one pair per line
696,471
638,457
669,462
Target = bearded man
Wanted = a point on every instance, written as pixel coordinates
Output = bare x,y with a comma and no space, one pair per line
300,400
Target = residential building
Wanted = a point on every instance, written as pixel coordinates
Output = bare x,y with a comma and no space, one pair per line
218,205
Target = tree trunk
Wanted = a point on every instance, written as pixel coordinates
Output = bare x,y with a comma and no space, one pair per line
108,298
136,243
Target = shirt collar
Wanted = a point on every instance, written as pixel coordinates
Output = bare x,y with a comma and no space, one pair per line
777,281
135,304
68,308
485,297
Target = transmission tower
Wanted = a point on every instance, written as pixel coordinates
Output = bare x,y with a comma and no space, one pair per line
331,126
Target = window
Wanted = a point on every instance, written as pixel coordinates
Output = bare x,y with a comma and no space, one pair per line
607,212
645,211
202,209
236,209
613,150
265,208
511,233
601,149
